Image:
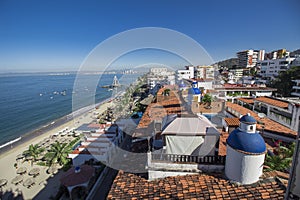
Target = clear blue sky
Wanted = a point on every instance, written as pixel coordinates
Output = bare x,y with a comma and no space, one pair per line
56,35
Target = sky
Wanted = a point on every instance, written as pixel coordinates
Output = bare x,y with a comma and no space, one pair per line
58,35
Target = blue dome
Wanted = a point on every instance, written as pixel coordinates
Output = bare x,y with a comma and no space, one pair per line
195,91
182,85
248,119
247,142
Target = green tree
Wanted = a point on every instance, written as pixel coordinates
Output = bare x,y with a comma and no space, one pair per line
166,92
283,83
33,151
283,158
277,163
253,71
207,99
58,153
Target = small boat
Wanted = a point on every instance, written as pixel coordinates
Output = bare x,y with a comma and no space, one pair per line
63,93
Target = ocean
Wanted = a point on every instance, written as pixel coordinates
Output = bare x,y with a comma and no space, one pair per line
31,101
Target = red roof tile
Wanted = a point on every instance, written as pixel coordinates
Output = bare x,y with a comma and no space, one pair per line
232,121
274,102
198,186
246,100
156,111
269,125
222,143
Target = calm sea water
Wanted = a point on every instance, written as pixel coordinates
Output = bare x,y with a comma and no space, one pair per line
28,102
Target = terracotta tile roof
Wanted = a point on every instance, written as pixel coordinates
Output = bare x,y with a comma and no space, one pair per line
157,110
269,125
222,143
100,126
232,121
87,152
198,186
201,108
246,100
274,102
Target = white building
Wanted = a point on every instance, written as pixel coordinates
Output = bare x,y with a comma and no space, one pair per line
188,147
245,152
204,72
249,58
187,73
233,91
271,68
97,145
156,70
235,74
160,76
296,88
283,111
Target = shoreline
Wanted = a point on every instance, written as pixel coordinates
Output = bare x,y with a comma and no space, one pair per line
46,184
49,127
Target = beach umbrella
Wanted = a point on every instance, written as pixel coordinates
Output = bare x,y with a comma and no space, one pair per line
28,182
17,179
3,182
52,170
34,172
20,156
21,170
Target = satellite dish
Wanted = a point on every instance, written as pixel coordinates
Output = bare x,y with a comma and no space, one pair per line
261,115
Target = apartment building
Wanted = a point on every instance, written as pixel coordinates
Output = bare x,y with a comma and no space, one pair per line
271,68
160,76
204,72
249,58
186,73
296,88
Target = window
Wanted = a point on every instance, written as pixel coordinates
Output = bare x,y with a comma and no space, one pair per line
251,128
283,62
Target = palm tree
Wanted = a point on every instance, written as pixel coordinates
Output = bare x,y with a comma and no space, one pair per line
58,153
33,151
207,99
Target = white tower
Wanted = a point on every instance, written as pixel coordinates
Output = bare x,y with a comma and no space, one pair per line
194,93
245,152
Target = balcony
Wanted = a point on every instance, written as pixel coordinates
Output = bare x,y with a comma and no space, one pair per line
204,160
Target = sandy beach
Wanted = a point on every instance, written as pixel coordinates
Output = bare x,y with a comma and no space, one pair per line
46,185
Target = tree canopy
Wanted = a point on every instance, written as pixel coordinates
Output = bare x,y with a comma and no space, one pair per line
283,83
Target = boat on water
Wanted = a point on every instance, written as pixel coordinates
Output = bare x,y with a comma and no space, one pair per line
114,84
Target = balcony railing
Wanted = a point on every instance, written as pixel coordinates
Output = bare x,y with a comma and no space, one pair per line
207,160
